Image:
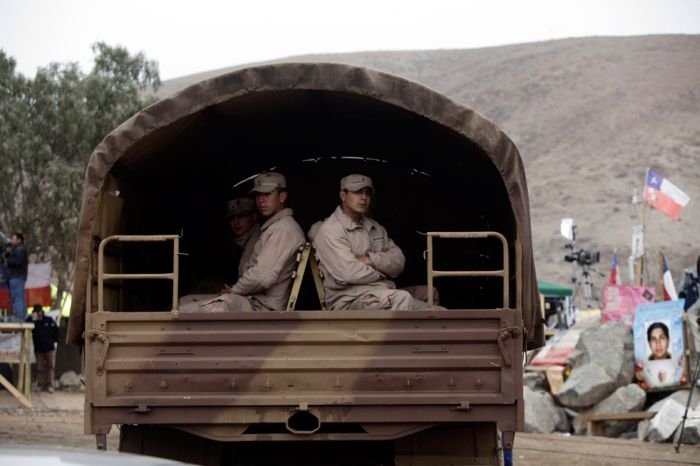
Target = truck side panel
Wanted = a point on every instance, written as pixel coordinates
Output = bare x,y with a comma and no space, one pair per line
355,375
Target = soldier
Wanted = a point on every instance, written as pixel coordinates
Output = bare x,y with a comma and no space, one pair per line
267,274
357,256
243,221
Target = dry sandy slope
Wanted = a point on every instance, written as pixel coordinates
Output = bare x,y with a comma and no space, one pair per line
588,115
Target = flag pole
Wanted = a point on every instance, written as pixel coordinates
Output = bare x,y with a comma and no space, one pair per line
660,281
639,262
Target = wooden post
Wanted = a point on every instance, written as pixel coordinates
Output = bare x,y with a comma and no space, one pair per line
660,280
20,372
23,390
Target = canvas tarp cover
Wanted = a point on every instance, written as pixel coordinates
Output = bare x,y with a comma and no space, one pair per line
133,144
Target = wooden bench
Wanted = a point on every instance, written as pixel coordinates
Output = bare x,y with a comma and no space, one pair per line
594,422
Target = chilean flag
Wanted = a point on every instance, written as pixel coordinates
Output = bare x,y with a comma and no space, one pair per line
615,278
669,288
664,195
37,289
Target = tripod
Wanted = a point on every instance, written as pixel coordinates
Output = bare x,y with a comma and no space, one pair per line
693,384
584,280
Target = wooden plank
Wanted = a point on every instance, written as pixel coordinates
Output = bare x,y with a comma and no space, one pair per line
27,364
555,379
539,449
10,388
628,416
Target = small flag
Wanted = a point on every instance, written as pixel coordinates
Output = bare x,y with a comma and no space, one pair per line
669,288
615,278
664,195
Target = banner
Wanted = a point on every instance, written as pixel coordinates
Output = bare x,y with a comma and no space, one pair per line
37,290
620,302
659,345
10,346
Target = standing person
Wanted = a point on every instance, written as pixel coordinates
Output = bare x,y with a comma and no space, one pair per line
690,286
45,338
267,277
357,256
17,264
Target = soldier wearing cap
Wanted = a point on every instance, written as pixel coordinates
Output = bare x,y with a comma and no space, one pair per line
242,218
266,280
357,257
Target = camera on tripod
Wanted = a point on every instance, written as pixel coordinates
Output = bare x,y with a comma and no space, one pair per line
579,256
583,257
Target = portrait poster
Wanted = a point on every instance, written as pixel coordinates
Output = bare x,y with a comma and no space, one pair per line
10,346
620,302
659,345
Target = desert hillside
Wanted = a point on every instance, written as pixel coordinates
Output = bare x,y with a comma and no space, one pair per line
588,115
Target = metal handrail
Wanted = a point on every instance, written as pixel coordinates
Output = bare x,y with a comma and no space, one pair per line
102,276
503,272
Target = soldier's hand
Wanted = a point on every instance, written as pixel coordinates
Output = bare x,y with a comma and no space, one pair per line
226,289
364,259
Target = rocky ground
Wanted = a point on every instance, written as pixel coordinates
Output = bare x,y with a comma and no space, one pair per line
57,420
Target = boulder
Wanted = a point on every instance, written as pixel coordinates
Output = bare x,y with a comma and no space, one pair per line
674,415
666,421
609,346
534,380
691,431
602,362
625,399
681,396
542,415
587,385
70,380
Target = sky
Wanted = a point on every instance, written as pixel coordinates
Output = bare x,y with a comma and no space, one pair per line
187,37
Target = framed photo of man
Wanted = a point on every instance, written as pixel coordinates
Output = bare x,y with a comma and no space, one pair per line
659,345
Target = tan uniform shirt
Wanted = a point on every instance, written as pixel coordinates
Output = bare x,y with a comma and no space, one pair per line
268,271
247,244
339,241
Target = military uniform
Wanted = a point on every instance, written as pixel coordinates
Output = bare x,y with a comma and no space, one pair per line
350,283
247,244
265,283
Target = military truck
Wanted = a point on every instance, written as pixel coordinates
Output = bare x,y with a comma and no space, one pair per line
308,385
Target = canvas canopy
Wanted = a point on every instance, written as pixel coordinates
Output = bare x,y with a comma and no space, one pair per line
436,165
554,290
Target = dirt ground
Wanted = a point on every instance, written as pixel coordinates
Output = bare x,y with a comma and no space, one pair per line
57,420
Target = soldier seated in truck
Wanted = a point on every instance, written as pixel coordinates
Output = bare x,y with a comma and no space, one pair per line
267,273
242,218
357,257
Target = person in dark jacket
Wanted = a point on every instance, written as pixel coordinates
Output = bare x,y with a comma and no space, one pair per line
45,338
17,264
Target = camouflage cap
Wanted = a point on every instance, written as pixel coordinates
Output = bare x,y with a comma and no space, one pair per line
240,206
268,182
356,182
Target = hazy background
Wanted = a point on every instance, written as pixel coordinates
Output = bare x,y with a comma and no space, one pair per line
588,114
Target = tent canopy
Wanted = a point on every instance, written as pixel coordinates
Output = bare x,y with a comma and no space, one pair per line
436,165
552,289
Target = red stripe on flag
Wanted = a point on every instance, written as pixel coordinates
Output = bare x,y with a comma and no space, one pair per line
662,202
40,295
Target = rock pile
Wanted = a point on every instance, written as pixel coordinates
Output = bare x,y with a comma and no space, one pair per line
602,382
